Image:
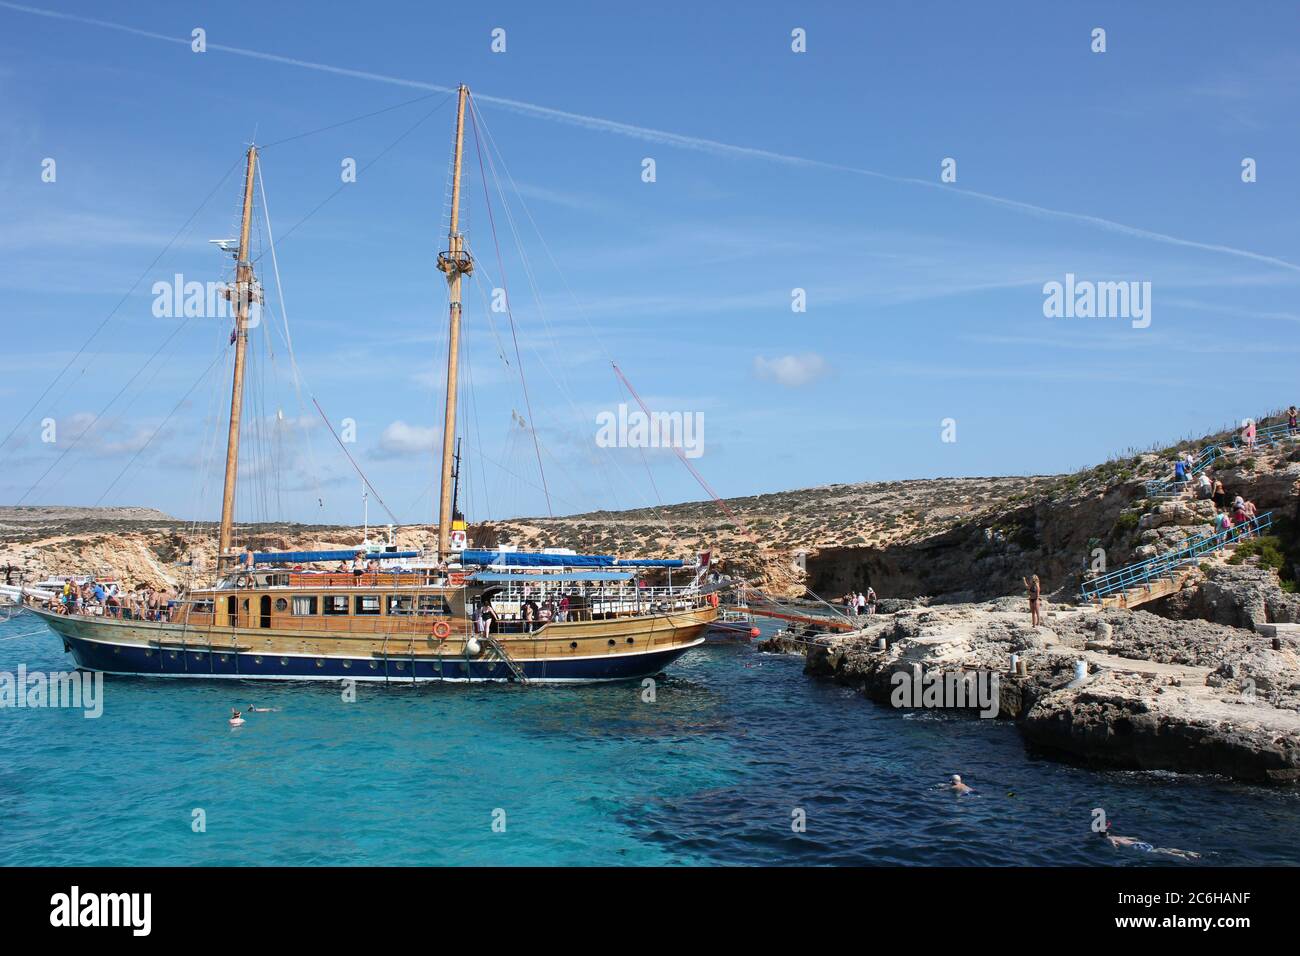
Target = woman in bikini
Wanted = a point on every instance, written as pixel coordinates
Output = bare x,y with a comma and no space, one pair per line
1035,590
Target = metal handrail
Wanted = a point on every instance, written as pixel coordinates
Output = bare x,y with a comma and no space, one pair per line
1163,565
1211,453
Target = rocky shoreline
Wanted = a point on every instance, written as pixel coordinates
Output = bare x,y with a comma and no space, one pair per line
1156,692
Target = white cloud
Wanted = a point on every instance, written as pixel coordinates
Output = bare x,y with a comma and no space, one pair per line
791,370
400,440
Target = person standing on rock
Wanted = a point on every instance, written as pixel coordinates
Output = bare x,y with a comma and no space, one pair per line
1291,426
1035,590
1220,494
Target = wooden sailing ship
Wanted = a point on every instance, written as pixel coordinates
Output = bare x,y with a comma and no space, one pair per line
457,614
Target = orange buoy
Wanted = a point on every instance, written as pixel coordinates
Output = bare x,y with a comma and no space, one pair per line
442,630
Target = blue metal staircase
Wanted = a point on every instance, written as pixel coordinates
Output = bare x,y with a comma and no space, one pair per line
1168,488
1164,567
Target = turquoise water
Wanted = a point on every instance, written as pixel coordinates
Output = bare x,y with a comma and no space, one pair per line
709,773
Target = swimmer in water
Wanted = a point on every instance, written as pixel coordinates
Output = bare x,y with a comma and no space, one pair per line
1133,843
254,709
959,788
235,719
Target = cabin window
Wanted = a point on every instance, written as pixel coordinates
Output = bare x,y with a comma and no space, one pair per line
305,605
400,604
433,604
336,603
281,604
367,604
203,607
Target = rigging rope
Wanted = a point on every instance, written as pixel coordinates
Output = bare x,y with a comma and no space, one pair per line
356,467
528,405
86,343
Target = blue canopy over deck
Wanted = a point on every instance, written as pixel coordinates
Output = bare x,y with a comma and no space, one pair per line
304,557
535,559
501,577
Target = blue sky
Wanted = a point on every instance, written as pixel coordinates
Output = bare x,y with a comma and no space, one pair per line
775,170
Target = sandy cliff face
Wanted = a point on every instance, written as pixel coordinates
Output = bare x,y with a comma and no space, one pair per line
966,538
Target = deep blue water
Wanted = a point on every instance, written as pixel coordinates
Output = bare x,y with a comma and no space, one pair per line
710,773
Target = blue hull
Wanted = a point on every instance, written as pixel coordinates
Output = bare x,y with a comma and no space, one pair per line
133,659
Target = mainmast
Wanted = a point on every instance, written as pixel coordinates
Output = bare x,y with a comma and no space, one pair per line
455,262
241,295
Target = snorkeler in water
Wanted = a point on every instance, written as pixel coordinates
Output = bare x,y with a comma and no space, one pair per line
254,709
1132,843
959,788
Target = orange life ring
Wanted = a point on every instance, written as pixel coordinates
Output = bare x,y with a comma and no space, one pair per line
442,630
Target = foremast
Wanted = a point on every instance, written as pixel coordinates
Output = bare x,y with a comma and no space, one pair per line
241,295
455,262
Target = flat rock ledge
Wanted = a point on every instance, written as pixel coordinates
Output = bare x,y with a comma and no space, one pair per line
1158,694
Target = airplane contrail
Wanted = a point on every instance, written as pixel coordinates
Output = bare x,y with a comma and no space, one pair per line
679,140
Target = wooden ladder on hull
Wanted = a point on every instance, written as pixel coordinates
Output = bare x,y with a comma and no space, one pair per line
517,672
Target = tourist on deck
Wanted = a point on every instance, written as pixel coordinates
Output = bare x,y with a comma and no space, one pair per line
1035,589
564,608
487,616
535,612
249,561
358,565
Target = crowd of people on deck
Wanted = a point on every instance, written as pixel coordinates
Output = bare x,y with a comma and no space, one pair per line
535,610
107,599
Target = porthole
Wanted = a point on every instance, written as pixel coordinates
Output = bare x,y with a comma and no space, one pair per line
319,662
172,655
573,645
257,660
148,653
631,640
374,666
284,662
281,604
225,658
401,665
611,642
347,665
117,650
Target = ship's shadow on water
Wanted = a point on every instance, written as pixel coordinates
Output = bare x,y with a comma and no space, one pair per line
736,758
